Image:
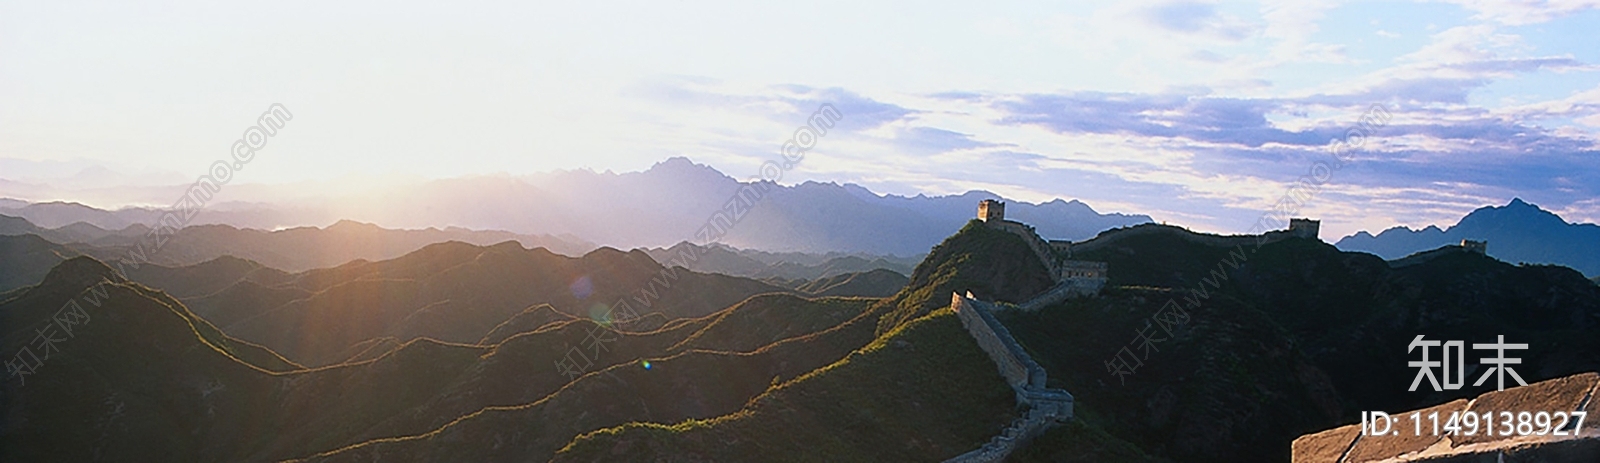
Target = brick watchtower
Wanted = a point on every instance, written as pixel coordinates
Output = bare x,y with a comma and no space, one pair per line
990,209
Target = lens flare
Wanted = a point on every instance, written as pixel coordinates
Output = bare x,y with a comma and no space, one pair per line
601,314
645,364
581,288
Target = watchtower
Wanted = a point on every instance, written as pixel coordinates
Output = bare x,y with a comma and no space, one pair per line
1305,228
991,210
1480,247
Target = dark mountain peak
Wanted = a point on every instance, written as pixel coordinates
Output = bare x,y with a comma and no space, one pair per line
815,186
1519,231
16,225
506,246
861,191
682,165
606,252
1401,230
613,258
446,248
1515,214
347,225
80,271
1068,207
677,162
679,170
81,226
226,261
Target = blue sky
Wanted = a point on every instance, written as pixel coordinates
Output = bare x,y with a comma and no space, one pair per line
1193,112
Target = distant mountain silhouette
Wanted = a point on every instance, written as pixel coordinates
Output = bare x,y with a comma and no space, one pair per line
661,206
727,260
672,200
293,250
874,283
196,259
1517,232
453,292
56,214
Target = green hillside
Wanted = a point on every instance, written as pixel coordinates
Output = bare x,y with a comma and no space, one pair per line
992,264
923,392
460,293
678,385
875,283
187,392
1292,337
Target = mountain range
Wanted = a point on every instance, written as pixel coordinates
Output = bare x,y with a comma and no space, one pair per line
780,266
658,207
457,352
293,250
1516,232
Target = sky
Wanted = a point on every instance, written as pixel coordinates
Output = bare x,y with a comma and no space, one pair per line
1196,113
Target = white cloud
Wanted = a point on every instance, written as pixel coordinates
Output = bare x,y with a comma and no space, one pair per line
1523,12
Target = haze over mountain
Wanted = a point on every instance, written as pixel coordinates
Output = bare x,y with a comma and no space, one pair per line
727,260
176,388
292,250
1517,232
658,207
452,353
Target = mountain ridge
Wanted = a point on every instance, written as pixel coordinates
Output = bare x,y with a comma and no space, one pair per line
1516,232
668,203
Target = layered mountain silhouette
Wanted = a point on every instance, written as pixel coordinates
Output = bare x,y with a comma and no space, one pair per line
455,352
1517,232
210,253
784,266
175,388
1293,337
659,207
294,249
453,292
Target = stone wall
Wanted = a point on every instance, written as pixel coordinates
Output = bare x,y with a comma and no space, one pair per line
1047,255
1014,363
1045,407
1073,287
1013,437
1051,254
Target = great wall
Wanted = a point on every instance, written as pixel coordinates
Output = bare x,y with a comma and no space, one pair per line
1046,407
